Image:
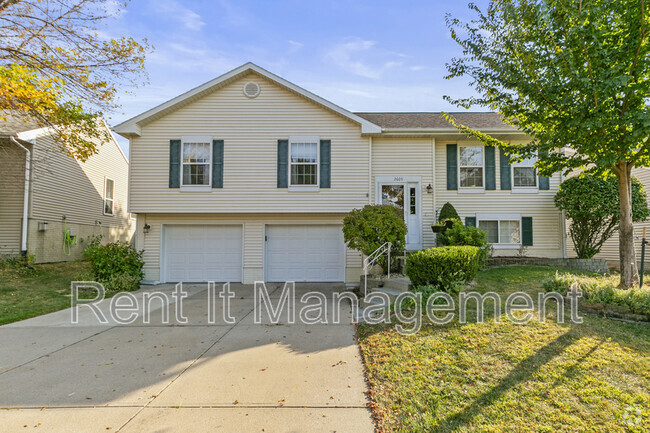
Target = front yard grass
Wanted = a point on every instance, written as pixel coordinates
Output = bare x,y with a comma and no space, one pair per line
502,377
26,293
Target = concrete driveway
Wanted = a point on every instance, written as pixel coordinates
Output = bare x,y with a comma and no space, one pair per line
198,377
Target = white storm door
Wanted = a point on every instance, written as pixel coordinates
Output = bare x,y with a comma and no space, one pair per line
405,195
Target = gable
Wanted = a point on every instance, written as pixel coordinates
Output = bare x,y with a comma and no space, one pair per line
132,127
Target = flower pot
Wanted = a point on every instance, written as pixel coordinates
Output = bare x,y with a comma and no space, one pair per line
438,228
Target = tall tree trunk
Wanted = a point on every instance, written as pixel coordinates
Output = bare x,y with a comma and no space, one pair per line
629,272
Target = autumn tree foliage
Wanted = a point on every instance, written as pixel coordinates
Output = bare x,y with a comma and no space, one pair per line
58,68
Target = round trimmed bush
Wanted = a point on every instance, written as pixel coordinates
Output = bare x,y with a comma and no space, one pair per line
444,267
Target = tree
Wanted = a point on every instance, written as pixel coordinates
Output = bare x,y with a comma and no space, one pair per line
592,204
448,212
57,69
567,73
367,229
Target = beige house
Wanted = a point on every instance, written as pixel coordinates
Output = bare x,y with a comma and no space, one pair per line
248,178
51,204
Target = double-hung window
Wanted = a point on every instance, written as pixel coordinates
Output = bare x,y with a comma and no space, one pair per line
524,174
303,161
109,190
196,161
471,164
502,231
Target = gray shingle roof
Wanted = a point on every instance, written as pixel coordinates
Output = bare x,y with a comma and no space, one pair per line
431,120
15,123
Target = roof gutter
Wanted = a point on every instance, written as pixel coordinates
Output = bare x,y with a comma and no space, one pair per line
28,159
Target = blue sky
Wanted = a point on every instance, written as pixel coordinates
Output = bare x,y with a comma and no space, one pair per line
362,55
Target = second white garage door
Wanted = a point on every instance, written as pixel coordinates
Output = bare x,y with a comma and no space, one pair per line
195,253
304,253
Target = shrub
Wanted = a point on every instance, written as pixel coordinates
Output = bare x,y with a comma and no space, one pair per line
459,235
445,267
592,204
113,262
448,212
122,282
601,290
367,229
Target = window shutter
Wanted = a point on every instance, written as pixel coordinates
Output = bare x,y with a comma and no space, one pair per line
527,231
490,169
283,163
452,166
217,163
325,163
470,221
174,163
543,182
504,165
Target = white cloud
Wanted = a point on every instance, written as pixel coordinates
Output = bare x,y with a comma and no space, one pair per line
416,68
362,57
171,8
294,46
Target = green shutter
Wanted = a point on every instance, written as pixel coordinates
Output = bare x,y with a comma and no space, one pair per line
543,182
452,166
217,163
470,221
174,163
283,163
490,169
504,165
325,163
527,231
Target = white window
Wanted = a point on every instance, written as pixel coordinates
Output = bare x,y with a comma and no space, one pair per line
501,231
471,163
109,186
303,161
524,174
196,161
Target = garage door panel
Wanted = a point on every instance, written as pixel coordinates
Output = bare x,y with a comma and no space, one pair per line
203,253
304,253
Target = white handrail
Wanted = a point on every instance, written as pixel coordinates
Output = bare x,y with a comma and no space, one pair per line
384,248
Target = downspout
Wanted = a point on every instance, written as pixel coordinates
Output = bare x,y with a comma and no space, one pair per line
23,243
370,170
563,224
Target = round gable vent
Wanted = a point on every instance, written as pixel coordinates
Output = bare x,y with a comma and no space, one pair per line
251,89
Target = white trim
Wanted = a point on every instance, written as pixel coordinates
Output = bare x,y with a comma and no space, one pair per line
201,139
307,139
471,188
106,179
132,127
28,162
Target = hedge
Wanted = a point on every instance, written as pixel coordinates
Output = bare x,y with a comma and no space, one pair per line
444,267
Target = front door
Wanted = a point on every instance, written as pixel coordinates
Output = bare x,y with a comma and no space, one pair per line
404,194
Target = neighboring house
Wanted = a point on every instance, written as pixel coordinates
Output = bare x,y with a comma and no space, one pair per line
63,201
248,178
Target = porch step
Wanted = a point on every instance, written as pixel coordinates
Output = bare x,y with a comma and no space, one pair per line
398,284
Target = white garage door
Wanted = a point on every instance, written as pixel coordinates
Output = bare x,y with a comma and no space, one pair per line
202,253
304,253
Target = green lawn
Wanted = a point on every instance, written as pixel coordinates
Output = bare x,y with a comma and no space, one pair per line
26,293
501,377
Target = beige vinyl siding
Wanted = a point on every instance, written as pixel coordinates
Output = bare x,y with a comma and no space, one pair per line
402,157
609,250
65,186
12,190
250,129
254,231
547,220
